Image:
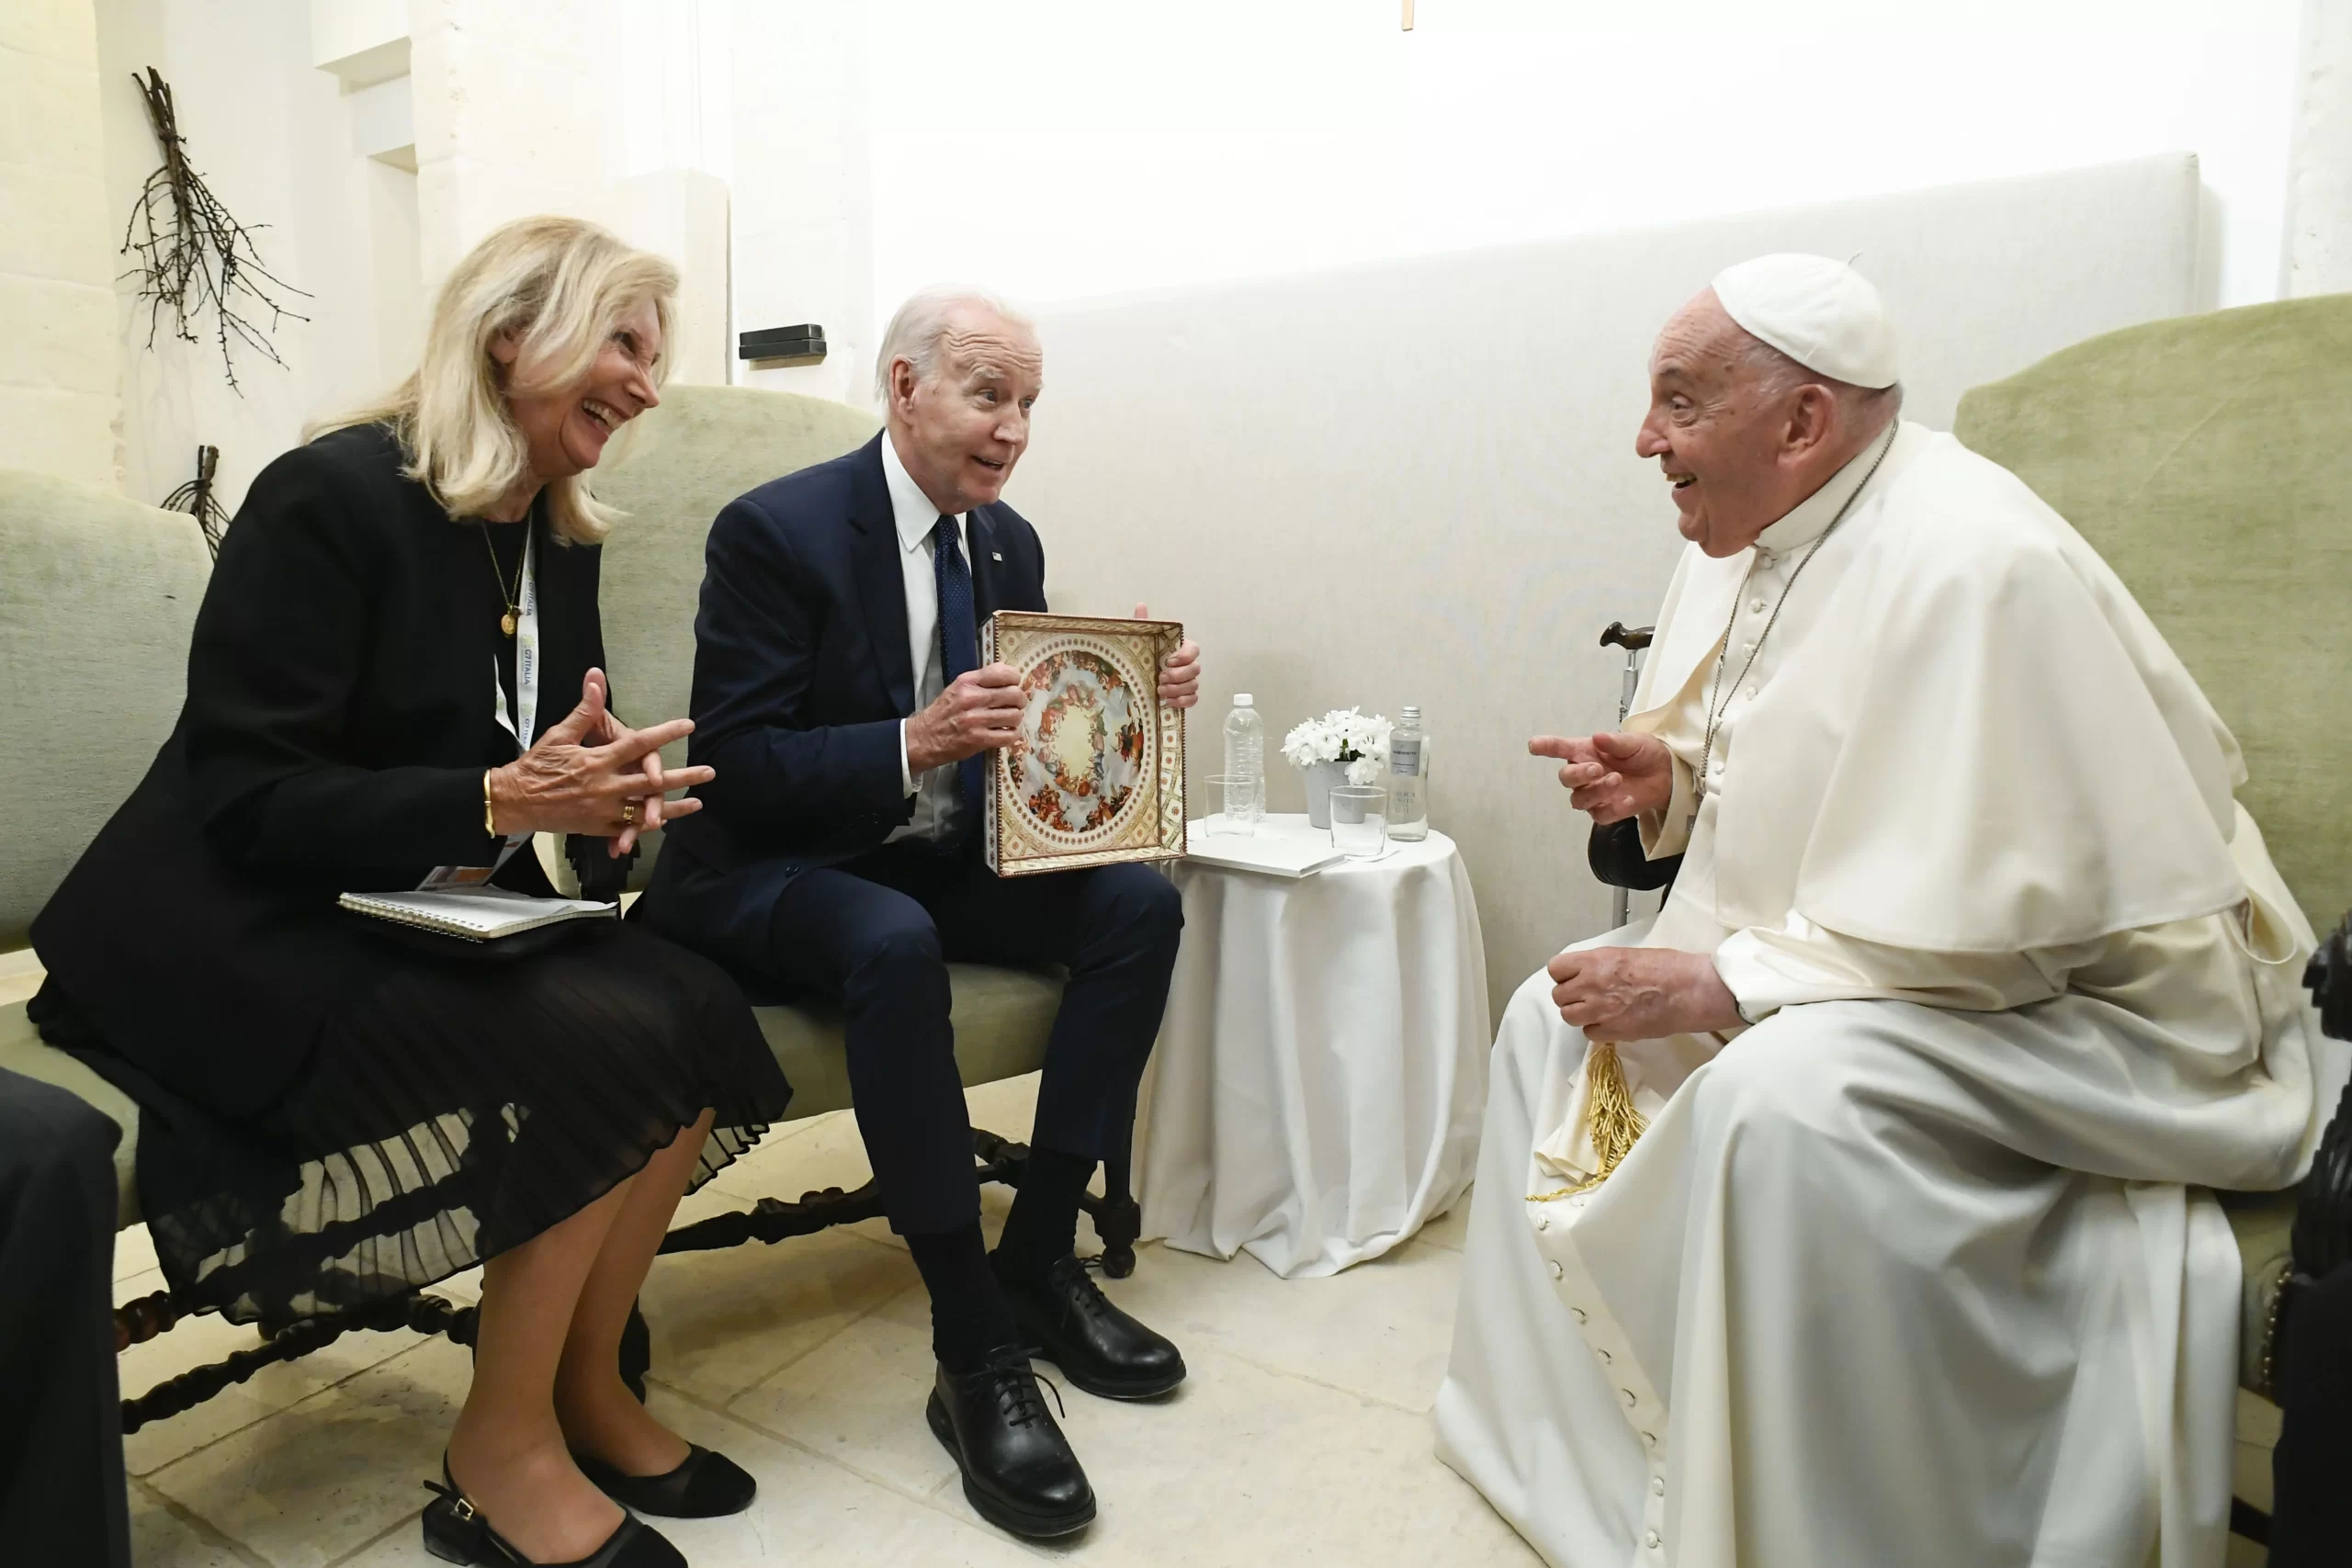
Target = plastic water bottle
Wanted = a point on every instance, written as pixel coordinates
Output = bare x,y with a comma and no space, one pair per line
1245,761
1408,779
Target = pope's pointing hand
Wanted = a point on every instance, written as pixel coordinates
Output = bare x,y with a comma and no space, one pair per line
1610,776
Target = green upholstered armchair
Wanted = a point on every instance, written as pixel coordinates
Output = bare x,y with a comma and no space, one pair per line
2209,459
96,602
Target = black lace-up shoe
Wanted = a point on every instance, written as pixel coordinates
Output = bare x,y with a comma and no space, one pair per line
1068,1321
1018,1469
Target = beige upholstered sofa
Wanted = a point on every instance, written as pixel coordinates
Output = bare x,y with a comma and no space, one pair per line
97,597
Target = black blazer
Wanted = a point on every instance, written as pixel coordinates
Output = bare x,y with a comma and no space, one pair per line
801,670
339,715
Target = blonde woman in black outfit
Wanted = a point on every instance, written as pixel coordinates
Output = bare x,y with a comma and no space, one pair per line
381,688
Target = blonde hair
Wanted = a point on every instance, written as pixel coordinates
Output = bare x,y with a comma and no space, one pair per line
562,286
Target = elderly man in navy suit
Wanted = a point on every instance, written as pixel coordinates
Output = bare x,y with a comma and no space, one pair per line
839,694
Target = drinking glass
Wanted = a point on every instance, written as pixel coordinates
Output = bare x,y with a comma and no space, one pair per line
1238,792
1359,820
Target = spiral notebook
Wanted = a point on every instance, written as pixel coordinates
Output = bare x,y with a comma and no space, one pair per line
473,914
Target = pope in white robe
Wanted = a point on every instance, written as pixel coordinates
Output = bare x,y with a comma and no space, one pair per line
1974,979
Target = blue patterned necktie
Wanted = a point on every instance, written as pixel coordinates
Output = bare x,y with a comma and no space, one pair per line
959,637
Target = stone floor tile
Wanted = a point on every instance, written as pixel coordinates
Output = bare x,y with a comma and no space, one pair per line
2258,1420
859,1400
2250,1474
134,1252
465,1287
160,1537
724,1321
1245,1466
199,1342
1382,1328
317,1481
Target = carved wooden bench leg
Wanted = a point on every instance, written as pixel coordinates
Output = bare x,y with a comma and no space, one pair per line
423,1313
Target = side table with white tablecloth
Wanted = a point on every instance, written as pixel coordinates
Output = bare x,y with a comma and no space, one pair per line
1321,1072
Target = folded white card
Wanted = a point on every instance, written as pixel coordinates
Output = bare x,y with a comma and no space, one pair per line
1281,846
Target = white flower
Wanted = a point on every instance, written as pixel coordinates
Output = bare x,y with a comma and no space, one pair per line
1343,735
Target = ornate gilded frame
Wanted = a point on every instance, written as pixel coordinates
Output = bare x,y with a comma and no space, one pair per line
1148,825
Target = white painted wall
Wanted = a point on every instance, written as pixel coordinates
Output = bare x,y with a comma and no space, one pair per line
1062,149
274,138
59,407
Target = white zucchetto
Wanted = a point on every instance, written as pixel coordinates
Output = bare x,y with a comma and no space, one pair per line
1819,313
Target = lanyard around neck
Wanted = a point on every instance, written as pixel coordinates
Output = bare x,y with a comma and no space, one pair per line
523,721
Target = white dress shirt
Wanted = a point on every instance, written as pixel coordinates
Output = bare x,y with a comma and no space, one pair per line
939,798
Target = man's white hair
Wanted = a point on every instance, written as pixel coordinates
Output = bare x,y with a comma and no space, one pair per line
914,333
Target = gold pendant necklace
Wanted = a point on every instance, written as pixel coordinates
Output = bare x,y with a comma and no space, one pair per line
510,619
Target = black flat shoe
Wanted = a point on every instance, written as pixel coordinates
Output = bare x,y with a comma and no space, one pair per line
1018,1470
455,1531
1068,1320
706,1487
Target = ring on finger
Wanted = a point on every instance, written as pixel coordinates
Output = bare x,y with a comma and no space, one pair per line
629,814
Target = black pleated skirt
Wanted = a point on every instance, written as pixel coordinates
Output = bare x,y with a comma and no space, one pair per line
460,1106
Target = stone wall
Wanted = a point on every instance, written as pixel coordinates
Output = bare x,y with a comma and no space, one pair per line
60,380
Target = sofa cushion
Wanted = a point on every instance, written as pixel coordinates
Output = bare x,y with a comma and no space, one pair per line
1001,1016
96,602
679,467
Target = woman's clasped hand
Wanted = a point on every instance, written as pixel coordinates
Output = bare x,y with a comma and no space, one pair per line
591,773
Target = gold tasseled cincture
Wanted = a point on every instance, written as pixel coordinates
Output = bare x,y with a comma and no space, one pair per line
1616,1125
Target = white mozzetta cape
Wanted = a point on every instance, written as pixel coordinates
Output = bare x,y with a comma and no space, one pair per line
1913,774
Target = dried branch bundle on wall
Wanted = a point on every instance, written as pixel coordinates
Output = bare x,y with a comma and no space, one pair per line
196,498
194,255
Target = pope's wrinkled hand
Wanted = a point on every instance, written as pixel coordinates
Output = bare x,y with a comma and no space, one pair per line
1610,776
1179,674
1640,993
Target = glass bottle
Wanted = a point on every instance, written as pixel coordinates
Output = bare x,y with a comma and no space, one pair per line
1408,779
1245,759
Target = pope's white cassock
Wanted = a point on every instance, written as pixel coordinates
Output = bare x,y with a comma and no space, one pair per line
1914,1269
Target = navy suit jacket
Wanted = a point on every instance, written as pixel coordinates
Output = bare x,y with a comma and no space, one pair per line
801,673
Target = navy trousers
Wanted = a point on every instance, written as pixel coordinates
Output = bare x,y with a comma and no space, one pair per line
62,1496
875,934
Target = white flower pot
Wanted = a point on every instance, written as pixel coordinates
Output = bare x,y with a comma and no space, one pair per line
1320,778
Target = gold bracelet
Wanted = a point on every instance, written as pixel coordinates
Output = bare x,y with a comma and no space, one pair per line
489,814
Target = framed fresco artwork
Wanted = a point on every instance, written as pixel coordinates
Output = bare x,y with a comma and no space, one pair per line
1097,776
